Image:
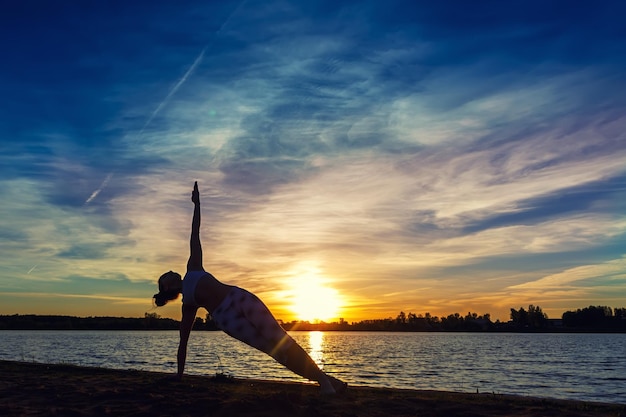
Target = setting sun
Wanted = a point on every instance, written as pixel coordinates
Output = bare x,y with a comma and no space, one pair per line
313,300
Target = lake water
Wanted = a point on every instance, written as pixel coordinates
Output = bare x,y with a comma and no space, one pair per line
589,367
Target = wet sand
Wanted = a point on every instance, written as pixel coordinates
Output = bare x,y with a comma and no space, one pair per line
30,389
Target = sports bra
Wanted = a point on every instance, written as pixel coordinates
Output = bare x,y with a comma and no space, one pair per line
190,282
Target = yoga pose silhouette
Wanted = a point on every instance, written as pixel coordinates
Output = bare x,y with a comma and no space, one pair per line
236,311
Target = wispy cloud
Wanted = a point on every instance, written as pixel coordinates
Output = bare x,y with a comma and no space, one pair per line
608,271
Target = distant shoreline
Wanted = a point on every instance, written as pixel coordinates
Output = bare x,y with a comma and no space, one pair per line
340,330
154,322
46,389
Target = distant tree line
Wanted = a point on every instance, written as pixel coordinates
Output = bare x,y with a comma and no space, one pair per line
37,322
533,319
596,317
150,321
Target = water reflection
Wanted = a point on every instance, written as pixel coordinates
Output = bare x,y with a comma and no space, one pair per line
316,344
587,367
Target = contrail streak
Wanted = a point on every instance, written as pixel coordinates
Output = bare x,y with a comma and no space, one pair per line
189,72
230,16
174,89
95,193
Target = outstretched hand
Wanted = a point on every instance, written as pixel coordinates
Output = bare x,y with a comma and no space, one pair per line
195,194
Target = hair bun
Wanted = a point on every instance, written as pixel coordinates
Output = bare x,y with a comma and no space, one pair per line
163,297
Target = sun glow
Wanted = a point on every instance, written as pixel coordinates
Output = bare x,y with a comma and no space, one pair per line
313,300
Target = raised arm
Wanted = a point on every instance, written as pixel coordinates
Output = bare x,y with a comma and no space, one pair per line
195,248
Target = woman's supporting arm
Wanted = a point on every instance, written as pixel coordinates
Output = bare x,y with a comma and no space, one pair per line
186,324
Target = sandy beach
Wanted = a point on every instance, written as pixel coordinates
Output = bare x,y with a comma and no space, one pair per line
31,389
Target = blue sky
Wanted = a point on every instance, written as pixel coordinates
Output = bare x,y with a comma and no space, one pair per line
378,156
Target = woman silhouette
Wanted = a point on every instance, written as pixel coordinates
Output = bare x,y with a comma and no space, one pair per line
236,311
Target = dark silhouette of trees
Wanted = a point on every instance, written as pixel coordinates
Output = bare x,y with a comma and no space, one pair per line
596,317
151,321
401,319
534,318
519,318
452,322
588,319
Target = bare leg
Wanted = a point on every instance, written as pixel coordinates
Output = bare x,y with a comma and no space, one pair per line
243,316
299,362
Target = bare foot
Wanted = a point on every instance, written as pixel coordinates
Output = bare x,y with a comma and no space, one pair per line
338,385
326,384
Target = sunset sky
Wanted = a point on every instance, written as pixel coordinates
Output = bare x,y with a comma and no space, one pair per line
354,159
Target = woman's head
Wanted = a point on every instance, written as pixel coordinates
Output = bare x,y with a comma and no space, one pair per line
170,285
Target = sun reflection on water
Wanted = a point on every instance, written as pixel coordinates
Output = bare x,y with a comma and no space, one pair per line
316,344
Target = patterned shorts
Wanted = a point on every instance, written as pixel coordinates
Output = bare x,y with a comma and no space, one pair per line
243,316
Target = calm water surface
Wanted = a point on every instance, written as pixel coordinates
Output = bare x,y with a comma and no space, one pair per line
572,366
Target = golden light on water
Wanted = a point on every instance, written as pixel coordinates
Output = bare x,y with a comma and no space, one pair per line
312,299
316,351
